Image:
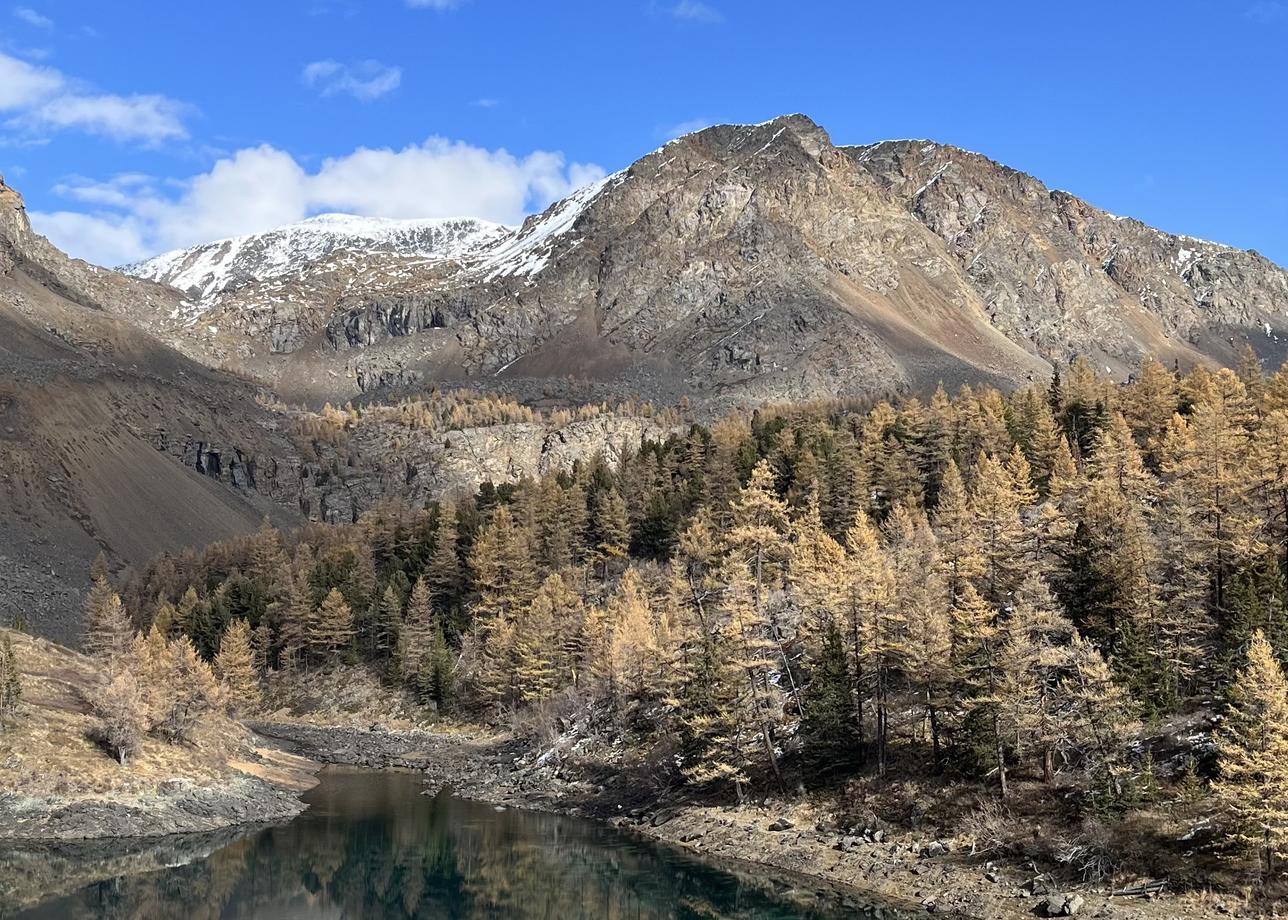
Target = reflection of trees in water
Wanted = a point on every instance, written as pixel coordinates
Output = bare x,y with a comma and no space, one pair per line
371,846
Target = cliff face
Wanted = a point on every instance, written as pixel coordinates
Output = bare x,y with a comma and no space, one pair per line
745,263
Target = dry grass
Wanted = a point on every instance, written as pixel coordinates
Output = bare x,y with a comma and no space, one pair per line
46,750
344,696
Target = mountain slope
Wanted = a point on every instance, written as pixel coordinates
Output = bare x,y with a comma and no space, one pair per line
102,430
744,263
1069,277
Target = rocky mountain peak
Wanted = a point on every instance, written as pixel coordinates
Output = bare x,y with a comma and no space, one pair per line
734,264
13,215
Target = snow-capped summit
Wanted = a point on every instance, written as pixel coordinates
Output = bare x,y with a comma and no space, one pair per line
210,268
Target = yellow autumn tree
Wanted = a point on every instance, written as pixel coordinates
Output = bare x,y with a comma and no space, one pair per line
235,665
1252,751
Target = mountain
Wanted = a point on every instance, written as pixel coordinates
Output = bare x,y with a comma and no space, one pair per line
738,264
111,441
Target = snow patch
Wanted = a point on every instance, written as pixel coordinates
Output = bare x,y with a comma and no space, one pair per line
528,251
205,270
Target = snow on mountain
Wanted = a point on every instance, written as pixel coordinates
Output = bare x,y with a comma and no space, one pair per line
528,250
208,269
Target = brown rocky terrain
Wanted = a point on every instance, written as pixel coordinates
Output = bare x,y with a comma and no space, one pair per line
746,263
111,441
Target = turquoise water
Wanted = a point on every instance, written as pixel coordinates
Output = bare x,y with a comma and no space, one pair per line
371,846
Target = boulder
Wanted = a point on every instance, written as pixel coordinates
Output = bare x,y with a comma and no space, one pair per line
1062,905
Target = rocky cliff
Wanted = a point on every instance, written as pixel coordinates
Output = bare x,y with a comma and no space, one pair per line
744,263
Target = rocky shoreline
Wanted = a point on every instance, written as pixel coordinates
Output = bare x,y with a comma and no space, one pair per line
899,871
263,790
177,807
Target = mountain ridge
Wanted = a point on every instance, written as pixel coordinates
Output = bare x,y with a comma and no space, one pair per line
741,263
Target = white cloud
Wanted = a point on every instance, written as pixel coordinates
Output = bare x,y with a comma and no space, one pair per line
365,80
695,11
134,216
33,18
41,99
91,237
486,103
671,132
23,85
147,118
439,5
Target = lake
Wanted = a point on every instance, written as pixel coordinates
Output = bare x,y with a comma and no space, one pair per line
372,846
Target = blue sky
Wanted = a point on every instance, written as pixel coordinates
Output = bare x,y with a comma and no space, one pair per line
132,128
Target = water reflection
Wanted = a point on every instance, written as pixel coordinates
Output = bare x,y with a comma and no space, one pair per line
372,847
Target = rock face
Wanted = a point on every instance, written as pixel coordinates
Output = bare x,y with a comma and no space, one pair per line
1069,278
745,263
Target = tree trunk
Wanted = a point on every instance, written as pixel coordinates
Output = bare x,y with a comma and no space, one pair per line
773,758
1001,756
934,734
1048,766
882,724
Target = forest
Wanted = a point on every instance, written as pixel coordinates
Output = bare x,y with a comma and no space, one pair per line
1009,592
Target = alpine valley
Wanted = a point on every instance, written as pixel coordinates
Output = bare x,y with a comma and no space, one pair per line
763,465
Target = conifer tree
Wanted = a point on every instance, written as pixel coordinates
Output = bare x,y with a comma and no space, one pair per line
536,665
958,534
634,654
925,648
828,716
186,613
1252,752
612,532
873,623
191,693
1255,603
1268,463
756,543
444,576
416,632
1149,404
503,569
334,628
10,681
107,630
119,711
235,665
164,616
436,674
995,506
1102,714
817,572
261,642
1032,663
